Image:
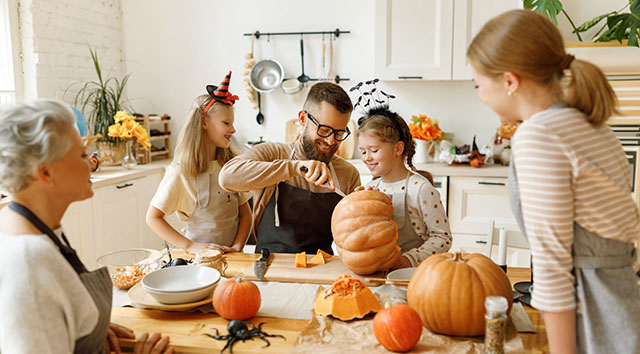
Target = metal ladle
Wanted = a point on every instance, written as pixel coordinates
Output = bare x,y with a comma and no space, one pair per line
259,117
302,78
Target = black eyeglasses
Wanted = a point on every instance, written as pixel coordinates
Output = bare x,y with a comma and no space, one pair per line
326,131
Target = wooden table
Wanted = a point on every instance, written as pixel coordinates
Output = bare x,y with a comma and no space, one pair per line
187,329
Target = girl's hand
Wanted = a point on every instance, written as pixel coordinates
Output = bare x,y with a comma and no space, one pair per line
114,332
152,344
362,188
194,247
317,173
403,262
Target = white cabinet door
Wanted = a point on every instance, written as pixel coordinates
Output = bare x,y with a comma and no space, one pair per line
476,201
413,39
148,186
469,17
116,216
77,223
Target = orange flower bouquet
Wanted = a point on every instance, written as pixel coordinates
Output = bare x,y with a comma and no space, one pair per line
425,128
126,127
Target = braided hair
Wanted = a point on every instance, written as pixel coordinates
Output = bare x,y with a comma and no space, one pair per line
391,128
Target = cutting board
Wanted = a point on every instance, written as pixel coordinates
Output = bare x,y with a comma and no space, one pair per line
282,267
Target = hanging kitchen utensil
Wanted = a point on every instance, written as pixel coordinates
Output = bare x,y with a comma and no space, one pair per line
267,74
324,69
259,117
303,78
331,75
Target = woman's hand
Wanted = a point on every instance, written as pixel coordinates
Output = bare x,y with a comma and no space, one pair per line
403,262
114,332
194,247
152,344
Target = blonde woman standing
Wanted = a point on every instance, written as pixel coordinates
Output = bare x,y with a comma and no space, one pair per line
569,183
216,219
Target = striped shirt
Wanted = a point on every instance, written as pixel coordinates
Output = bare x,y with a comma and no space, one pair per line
569,171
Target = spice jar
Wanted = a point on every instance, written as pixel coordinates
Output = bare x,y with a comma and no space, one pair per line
495,324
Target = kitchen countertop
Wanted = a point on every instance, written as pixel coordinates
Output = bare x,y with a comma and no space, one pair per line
443,169
108,175
186,329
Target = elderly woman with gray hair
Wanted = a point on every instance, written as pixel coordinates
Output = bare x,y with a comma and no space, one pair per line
49,301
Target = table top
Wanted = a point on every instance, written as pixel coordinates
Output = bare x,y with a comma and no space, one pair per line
187,329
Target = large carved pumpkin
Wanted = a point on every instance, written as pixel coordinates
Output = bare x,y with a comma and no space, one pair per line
364,233
448,292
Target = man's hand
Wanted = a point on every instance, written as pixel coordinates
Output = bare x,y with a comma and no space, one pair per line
317,172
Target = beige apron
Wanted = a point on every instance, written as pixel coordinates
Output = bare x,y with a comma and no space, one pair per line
215,215
408,239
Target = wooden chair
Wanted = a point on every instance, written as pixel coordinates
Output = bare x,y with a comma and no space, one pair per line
504,236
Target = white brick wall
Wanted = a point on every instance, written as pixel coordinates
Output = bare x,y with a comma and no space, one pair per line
55,38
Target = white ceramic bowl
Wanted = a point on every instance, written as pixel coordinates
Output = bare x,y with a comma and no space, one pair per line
291,86
401,274
127,267
181,284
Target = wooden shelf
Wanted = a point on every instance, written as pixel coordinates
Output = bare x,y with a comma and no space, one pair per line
160,140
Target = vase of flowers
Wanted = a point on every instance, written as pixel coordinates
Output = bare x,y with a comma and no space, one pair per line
427,135
126,128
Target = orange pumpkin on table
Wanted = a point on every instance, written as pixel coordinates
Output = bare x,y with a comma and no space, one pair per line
346,299
397,328
236,299
364,233
448,292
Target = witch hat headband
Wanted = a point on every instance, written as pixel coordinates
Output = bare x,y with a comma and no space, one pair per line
221,93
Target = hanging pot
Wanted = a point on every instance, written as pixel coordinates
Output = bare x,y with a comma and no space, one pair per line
266,75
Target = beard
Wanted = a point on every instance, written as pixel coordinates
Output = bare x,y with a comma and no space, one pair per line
312,152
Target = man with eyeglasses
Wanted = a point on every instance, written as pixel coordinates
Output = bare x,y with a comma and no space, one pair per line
294,184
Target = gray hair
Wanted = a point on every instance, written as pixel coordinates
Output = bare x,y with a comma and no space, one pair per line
31,134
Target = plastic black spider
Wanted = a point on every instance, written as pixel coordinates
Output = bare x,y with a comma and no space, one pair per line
238,330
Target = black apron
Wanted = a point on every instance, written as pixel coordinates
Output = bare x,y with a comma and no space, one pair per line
97,283
304,219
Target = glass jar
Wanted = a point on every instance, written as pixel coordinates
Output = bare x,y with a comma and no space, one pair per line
129,160
495,324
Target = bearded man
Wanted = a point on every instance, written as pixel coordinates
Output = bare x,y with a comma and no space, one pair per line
294,185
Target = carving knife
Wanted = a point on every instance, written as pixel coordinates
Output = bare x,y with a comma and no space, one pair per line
260,266
337,191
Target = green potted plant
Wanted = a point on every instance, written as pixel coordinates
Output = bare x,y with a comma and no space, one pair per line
100,100
620,26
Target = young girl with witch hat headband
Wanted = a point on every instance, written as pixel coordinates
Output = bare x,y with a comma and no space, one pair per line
216,219
386,143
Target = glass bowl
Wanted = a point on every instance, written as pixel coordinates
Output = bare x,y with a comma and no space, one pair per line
127,267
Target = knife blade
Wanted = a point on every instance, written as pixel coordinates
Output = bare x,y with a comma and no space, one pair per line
326,185
260,266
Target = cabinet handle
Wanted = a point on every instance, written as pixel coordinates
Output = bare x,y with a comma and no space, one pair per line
410,77
125,185
480,241
493,183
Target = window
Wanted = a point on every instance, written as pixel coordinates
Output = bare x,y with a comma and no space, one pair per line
7,69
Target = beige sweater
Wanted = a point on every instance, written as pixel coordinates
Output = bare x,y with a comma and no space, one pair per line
265,165
569,171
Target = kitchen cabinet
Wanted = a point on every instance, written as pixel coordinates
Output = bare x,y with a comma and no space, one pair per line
473,203
114,218
428,39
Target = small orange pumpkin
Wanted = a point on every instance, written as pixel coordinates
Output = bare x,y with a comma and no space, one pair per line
364,233
397,328
346,299
448,292
236,299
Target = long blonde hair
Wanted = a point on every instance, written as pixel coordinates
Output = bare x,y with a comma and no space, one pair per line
192,151
529,45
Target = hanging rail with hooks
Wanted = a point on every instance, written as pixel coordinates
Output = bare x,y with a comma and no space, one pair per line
257,34
336,33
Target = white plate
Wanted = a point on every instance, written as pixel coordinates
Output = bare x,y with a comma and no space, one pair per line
180,279
401,274
141,297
